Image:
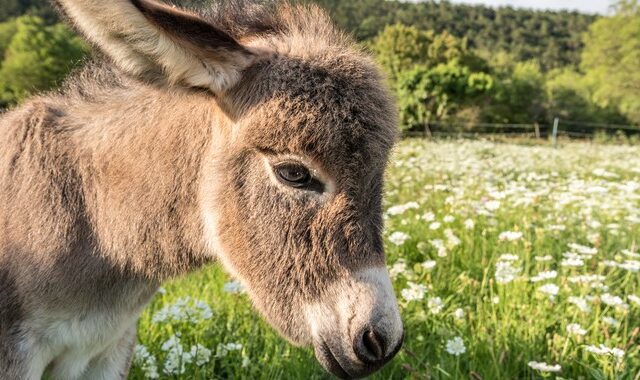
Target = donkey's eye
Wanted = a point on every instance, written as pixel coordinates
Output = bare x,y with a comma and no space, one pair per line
293,174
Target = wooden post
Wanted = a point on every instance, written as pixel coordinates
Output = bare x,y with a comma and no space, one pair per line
427,130
554,133
537,128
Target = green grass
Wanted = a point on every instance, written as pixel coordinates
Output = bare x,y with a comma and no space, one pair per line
581,193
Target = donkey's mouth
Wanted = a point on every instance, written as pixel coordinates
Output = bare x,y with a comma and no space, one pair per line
329,361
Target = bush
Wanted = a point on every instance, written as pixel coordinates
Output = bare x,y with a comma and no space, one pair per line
36,58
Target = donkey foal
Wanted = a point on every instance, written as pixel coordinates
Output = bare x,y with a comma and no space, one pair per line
253,134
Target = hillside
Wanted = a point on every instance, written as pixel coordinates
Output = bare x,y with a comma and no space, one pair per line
554,38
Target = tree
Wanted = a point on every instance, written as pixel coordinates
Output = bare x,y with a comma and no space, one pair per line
14,8
570,97
7,31
399,47
611,59
37,58
429,94
518,95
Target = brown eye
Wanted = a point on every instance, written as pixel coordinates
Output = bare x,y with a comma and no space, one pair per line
293,174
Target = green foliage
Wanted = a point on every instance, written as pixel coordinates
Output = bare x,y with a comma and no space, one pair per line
570,96
37,58
554,38
518,96
611,60
457,199
444,60
14,8
429,94
7,31
400,47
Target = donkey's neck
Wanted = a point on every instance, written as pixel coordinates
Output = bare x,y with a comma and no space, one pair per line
139,153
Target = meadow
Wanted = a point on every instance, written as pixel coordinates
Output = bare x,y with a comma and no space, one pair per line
509,262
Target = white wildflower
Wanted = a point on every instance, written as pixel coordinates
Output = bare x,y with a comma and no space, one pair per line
146,361
439,246
506,272
549,289
492,205
604,350
233,287
401,209
581,303
612,300
508,257
429,217
434,225
611,321
456,346
546,275
414,292
575,329
630,265
183,310
469,224
458,313
176,359
200,354
510,236
586,279
544,367
399,267
435,305
583,249
428,264
633,298
452,239
544,258
398,238
223,349
572,262
631,254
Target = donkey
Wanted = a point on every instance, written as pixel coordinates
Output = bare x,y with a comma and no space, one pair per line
252,134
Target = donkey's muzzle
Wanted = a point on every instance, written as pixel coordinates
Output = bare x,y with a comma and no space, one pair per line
371,349
357,328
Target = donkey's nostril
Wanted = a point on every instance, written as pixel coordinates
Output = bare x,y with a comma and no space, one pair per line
370,347
374,344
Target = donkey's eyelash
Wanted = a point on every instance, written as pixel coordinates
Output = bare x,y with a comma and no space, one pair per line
269,151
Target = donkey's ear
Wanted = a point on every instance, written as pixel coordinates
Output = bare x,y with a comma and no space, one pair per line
155,41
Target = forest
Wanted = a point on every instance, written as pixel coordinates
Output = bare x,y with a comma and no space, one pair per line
448,64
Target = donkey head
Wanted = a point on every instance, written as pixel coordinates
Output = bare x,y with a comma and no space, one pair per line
291,187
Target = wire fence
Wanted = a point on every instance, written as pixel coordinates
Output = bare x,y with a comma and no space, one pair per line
545,131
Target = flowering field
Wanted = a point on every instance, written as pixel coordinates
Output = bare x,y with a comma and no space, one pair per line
510,262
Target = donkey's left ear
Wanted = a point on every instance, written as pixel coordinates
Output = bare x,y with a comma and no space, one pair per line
151,40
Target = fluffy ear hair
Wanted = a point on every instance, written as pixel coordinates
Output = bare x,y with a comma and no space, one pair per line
154,41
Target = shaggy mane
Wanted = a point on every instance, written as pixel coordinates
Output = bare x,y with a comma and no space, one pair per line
244,19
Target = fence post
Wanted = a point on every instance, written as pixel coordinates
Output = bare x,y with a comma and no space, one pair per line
427,130
537,129
554,133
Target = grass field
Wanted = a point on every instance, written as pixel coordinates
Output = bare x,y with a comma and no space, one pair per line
509,262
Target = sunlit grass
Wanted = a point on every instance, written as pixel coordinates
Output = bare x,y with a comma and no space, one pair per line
443,251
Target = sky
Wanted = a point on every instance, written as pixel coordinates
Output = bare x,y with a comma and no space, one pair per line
586,6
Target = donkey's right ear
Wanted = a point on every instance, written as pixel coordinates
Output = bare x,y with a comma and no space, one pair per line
151,40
